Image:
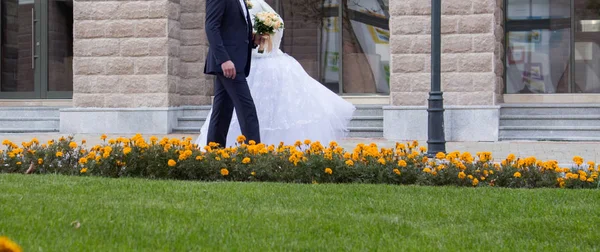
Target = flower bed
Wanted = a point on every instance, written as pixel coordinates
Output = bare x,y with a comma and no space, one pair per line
303,162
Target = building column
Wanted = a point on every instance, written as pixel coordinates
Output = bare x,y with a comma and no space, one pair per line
131,70
472,69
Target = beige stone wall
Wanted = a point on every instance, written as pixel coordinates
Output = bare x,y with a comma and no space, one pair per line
130,54
472,51
194,87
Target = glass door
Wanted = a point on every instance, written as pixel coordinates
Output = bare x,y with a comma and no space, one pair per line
19,44
36,49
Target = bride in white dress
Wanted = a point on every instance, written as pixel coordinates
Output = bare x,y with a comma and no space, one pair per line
291,105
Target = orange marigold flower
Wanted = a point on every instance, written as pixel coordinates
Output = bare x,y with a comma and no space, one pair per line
84,170
461,175
172,162
440,155
224,172
328,171
475,182
126,150
349,163
59,154
246,160
240,139
517,175
6,245
402,163
396,171
307,142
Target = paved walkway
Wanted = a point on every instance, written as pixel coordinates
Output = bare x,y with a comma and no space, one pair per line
563,152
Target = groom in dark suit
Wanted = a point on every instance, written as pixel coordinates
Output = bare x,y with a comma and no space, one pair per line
229,32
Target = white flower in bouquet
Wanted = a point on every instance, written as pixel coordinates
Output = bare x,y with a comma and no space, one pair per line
265,24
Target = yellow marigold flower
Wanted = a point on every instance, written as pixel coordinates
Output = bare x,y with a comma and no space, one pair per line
297,143
427,170
240,139
402,163
246,160
396,171
40,161
59,154
172,162
103,137
328,171
511,157
224,172
590,180
475,182
349,163
594,175
11,155
423,149
470,176
517,175
381,161
6,245
252,142
253,173
199,158
72,145
83,160
83,170
307,142
578,160
583,178
126,150
218,158
461,175
19,163
112,141
425,159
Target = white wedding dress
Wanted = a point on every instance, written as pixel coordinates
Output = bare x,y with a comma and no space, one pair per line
290,104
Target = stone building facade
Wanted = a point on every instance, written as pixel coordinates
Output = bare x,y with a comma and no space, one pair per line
137,63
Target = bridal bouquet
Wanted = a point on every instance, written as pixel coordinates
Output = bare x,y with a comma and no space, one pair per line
265,24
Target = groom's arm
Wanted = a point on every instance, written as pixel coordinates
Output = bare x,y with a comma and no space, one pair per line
215,10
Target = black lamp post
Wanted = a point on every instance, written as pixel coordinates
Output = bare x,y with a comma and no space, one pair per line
436,141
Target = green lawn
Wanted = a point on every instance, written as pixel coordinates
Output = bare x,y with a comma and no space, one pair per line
141,215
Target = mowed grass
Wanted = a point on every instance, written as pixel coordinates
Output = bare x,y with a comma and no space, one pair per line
133,214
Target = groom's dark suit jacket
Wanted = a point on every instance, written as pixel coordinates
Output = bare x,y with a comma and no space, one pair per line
229,36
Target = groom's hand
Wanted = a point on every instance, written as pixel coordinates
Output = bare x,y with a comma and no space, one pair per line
228,69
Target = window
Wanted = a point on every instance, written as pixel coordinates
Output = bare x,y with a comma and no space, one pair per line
552,46
345,47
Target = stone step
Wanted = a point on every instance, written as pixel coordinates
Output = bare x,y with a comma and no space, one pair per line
368,110
187,130
30,122
354,131
29,112
550,120
367,121
569,133
30,130
550,109
191,121
201,111
359,121
365,132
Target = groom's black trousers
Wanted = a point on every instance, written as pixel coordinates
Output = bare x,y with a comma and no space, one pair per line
230,94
